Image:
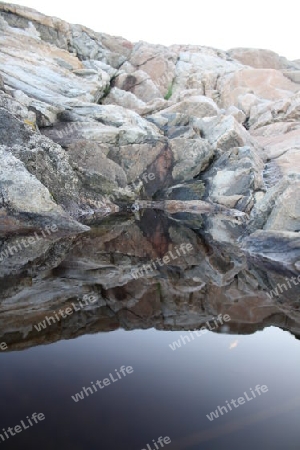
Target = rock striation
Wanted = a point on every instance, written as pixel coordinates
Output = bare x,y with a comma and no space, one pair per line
85,118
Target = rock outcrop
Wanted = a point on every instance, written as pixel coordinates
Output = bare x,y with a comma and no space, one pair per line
90,123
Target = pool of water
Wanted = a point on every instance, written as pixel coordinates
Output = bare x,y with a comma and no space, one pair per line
136,367
168,393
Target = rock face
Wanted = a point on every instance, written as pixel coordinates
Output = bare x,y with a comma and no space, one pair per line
24,200
262,59
89,122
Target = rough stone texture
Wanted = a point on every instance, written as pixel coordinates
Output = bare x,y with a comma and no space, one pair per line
224,132
87,114
191,157
199,68
293,75
246,101
45,72
276,127
237,113
157,61
195,106
274,249
235,177
286,213
124,98
268,84
48,164
260,58
25,202
138,83
94,168
285,110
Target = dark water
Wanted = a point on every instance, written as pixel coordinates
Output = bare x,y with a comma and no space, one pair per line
135,322
168,393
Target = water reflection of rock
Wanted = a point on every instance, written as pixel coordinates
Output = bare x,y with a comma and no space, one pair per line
216,277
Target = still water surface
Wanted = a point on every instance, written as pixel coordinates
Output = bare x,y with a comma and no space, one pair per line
133,323
169,393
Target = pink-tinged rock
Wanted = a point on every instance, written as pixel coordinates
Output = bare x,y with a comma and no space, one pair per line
157,61
267,84
258,58
280,139
197,106
140,84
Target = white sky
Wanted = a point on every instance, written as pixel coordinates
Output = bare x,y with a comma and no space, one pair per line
222,24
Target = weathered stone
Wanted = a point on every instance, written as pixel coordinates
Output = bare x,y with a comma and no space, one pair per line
125,99
25,202
258,58
238,172
200,68
293,75
246,101
17,109
224,132
40,74
96,171
193,190
157,61
239,115
280,140
108,124
138,83
266,84
287,109
150,157
285,214
198,106
267,200
191,157
274,249
122,110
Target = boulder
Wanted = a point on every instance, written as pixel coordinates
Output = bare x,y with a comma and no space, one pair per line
293,75
25,202
224,132
287,109
285,215
277,250
190,158
48,74
268,84
125,99
237,113
96,172
157,61
199,68
237,175
259,58
196,106
138,83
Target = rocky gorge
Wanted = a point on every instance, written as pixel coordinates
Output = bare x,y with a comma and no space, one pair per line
94,128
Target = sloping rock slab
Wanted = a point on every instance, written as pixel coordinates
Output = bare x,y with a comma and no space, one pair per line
274,250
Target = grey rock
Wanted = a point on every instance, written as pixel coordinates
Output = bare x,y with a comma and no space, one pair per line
274,249
26,203
88,114
224,132
237,175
